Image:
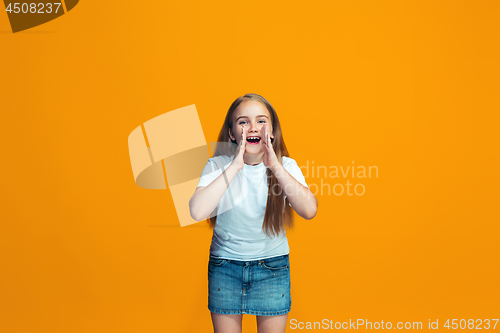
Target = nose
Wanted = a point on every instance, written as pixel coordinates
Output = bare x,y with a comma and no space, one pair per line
253,127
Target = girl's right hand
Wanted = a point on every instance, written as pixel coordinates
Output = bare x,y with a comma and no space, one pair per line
240,151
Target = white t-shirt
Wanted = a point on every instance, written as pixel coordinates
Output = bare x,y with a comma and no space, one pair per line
238,232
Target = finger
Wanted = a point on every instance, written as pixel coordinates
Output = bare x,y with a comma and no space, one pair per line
264,134
243,136
267,136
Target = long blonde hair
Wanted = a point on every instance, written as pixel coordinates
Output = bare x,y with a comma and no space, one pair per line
278,211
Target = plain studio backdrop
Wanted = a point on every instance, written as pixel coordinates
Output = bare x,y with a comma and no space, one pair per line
410,87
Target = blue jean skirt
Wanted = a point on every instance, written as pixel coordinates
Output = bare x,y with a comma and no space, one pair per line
256,287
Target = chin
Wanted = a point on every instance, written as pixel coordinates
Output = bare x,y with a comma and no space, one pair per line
254,150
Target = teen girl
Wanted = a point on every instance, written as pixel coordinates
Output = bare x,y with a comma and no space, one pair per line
248,189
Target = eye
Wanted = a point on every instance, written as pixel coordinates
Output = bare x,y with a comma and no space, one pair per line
262,121
242,122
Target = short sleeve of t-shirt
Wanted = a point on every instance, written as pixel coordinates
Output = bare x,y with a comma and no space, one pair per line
213,169
216,165
293,169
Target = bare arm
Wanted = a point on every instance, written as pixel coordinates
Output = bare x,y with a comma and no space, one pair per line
206,198
301,198
303,201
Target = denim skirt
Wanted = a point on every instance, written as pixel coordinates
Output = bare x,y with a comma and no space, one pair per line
256,287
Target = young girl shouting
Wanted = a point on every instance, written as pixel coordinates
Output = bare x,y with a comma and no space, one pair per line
248,190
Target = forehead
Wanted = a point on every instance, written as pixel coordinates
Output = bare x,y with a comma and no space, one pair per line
250,109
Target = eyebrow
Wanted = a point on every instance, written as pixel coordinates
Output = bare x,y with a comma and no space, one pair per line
261,115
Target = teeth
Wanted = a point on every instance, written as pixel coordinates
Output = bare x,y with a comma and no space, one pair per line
253,137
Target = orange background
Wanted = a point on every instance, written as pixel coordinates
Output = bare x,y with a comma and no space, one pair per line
408,86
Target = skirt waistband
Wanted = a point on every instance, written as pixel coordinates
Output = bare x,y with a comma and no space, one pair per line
252,262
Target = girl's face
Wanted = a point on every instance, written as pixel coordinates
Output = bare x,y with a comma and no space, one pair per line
251,115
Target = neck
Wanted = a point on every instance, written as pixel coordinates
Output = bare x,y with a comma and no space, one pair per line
253,159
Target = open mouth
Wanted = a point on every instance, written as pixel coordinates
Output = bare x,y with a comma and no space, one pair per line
253,139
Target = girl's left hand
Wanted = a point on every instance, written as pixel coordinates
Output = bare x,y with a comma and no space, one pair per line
270,160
